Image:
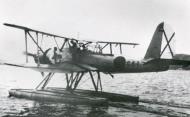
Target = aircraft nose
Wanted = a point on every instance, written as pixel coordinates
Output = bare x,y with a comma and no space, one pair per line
119,62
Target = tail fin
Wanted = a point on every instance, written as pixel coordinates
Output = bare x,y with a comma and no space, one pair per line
154,48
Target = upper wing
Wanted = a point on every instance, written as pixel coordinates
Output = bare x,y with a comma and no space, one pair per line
123,43
32,30
66,38
65,67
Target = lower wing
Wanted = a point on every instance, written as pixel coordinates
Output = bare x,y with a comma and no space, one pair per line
65,67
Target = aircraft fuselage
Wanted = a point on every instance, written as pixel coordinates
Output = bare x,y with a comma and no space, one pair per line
112,64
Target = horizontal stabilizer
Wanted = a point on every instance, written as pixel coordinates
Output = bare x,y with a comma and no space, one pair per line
161,61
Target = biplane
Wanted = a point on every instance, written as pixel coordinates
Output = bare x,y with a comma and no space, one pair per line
75,59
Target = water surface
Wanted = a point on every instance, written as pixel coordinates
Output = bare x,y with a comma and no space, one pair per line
161,94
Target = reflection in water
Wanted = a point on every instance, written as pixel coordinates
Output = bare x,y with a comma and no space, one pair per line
99,112
62,110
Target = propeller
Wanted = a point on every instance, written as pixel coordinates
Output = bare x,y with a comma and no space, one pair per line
42,59
35,59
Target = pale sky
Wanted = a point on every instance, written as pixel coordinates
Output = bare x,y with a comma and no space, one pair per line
105,20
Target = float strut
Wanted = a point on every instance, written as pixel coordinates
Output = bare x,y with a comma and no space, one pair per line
45,81
73,80
98,83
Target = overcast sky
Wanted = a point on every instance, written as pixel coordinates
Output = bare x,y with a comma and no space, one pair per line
106,20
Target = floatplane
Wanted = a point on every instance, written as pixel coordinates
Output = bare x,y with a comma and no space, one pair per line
75,59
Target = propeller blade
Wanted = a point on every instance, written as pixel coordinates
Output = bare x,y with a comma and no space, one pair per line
29,54
42,73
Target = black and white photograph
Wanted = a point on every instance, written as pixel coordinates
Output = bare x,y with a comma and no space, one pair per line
94,58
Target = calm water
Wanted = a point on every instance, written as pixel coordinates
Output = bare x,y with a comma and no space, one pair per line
161,94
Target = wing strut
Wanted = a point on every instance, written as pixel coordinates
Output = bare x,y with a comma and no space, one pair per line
110,44
29,31
56,43
120,48
26,45
35,41
111,49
